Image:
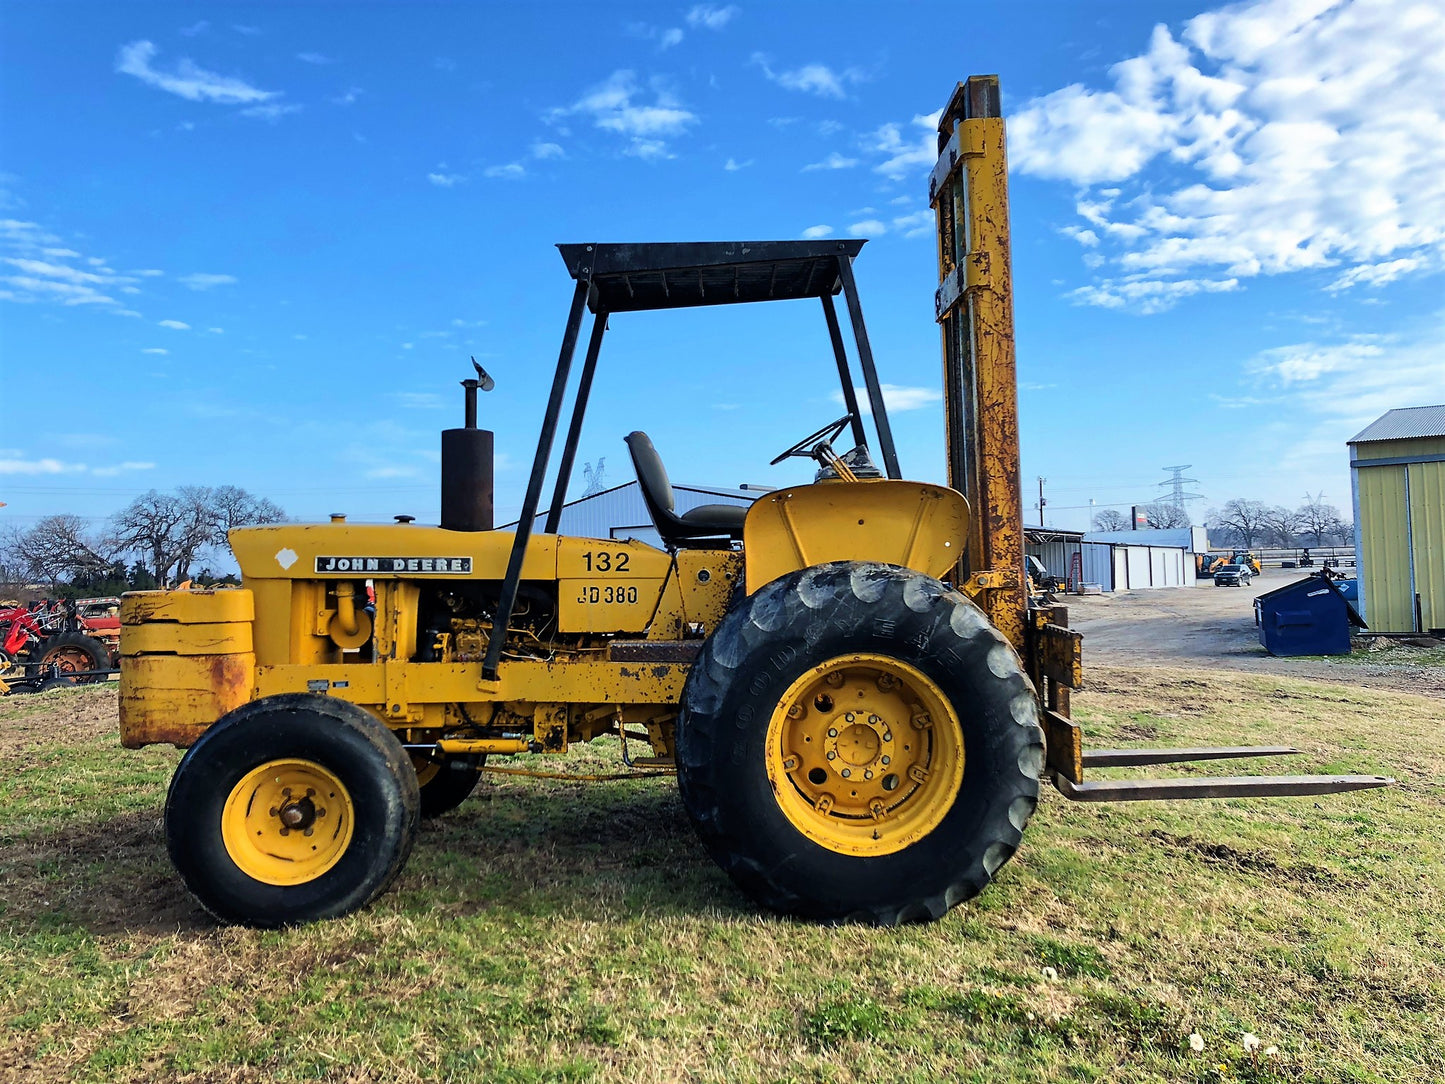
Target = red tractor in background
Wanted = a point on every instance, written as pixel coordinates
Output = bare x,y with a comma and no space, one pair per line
67,642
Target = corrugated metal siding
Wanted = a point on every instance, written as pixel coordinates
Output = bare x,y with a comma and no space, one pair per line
1099,564
1400,449
1404,422
1427,539
1384,549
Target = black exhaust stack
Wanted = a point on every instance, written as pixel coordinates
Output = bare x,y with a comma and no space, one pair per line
467,465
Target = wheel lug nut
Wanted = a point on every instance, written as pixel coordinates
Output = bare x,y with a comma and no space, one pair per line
868,773
831,754
888,735
874,720
847,772
832,732
850,717
886,760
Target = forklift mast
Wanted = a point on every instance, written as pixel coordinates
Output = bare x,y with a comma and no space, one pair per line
974,309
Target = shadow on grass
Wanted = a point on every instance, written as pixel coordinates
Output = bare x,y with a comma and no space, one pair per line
605,850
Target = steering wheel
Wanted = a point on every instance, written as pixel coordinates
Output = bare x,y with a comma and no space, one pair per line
805,447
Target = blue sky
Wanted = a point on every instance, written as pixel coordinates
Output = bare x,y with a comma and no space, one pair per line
255,244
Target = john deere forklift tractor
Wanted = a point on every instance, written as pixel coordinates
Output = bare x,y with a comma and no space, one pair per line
849,678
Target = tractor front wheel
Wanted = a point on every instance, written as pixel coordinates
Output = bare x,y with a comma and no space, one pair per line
857,742
290,809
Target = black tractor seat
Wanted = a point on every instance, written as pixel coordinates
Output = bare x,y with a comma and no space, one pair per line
703,527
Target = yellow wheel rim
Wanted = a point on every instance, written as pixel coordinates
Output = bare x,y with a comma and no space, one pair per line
864,754
287,822
426,768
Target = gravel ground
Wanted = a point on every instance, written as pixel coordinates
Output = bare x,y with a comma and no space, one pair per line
1214,627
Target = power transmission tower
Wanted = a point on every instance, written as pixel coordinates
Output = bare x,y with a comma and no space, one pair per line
1176,485
593,476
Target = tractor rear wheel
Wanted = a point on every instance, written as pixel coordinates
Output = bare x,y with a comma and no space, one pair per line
289,809
857,742
70,653
446,781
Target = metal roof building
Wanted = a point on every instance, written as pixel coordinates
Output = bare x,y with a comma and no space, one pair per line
621,512
1397,467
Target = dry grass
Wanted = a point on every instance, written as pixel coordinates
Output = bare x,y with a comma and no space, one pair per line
559,932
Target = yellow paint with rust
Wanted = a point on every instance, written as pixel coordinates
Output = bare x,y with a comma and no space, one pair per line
186,660
607,585
699,585
912,524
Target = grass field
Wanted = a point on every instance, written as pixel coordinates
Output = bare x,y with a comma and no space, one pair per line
563,932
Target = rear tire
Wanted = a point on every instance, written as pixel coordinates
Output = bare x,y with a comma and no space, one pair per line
876,668
446,781
72,652
291,808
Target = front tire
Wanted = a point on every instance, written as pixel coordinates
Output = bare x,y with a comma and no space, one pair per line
290,809
857,742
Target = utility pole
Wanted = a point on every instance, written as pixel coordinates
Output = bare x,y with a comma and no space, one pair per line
1042,502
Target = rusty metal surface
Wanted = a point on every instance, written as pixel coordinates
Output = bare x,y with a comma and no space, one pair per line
1258,786
1120,758
676,651
1063,745
1060,654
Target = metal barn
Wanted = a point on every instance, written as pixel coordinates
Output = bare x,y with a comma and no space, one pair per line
1397,467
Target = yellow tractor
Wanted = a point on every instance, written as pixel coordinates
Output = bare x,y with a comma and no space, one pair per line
849,677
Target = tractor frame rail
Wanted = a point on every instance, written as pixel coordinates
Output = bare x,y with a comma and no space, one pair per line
1257,786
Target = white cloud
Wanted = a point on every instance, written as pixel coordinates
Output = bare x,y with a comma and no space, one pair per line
445,180
668,38
873,226
812,233
898,398
216,330
544,151
202,281
16,465
833,161
271,111
614,106
44,275
188,80
814,78
155,350
175,325
149,273
352,95
121,468
732,165
917,224
1271,137
512,171
708,17
1147,295
906,158
419,400
314,58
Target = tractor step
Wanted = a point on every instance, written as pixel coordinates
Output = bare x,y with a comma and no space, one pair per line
1257,786
1125,758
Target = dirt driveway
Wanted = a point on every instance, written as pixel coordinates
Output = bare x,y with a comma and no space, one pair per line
1214,627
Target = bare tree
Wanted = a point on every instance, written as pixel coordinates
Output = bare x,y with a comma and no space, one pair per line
1164,515
173,529
1245,519
1316,519
56,549
1111,519
233,507
1279,526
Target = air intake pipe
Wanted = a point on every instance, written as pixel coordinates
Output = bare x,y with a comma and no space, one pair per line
467,481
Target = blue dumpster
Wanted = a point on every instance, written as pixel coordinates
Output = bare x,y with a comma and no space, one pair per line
1307,617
